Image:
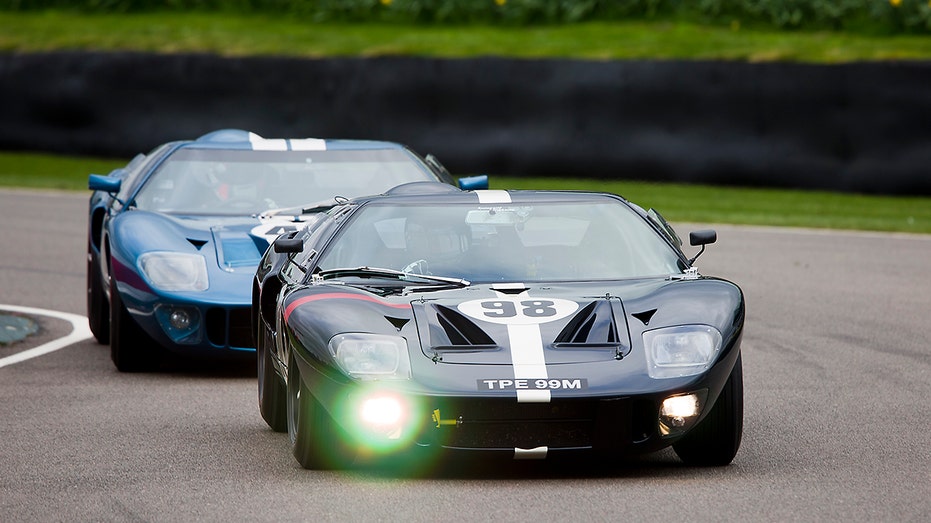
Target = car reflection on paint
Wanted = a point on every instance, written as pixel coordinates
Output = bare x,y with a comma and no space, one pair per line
519,323
175,236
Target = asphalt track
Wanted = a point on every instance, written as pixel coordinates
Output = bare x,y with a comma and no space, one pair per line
837,370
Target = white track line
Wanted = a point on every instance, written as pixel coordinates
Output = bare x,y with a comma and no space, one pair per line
80,331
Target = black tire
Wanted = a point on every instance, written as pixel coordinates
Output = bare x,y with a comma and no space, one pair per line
715,440
131,349
272,391
98,308
316,441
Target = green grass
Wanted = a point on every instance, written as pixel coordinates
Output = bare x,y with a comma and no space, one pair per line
232,35
237,35
677,202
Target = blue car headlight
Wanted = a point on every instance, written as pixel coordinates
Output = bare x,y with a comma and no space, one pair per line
173,271
371,356
685,350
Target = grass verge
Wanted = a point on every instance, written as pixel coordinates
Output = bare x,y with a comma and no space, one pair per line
240,35
677,202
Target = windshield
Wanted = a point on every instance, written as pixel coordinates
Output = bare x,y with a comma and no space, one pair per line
216,181
539,242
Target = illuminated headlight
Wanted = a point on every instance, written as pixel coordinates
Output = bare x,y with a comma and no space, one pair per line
685,350
371,356
172,271
678,413
384,415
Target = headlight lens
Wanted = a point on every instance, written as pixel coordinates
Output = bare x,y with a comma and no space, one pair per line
371,356
685,350
173,271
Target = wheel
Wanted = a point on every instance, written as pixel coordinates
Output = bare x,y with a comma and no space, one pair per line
316,441
272,399
131,349
98,308
714,441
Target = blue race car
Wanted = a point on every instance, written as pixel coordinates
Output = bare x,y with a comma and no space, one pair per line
174,238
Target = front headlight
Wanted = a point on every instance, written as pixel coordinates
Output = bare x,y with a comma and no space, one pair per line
371,356
173,271
686,350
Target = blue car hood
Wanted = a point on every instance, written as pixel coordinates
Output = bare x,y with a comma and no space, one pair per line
232,243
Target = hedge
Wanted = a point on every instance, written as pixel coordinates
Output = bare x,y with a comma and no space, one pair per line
873,16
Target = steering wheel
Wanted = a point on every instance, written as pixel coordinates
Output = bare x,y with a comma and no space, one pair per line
417,267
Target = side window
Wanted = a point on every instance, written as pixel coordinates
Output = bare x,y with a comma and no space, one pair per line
292,271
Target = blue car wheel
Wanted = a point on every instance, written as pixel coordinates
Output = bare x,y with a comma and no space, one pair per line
131,349
98,309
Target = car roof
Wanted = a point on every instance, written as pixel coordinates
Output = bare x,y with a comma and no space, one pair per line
239,139
438,193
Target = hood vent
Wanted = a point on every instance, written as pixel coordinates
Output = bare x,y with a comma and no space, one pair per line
398,323
454,332
645,316
593,326
197,243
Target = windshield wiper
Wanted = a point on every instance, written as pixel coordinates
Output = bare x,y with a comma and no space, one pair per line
309,208
378,272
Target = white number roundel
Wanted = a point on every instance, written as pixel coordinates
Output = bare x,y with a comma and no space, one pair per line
518,310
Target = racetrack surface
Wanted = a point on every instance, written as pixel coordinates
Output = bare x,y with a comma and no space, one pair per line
837,371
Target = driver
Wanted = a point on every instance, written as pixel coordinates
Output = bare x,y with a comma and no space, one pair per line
436,245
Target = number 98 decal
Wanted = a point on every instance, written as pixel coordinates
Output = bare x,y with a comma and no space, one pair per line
518,310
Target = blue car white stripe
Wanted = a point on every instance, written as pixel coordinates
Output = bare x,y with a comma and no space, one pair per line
280,144
308,144
527,356
493,196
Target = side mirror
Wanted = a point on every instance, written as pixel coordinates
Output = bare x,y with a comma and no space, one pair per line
288,246
703,237
474,183
99,182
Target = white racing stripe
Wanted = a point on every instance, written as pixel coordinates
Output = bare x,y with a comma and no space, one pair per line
80,331
527,357
280,144
308,144
493,196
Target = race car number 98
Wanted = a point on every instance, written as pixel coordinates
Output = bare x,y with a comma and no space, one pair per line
518,310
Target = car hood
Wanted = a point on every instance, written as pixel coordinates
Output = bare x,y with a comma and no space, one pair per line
232,243
503,324
497,324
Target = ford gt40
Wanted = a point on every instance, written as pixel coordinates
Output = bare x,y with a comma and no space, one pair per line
520,323
174,237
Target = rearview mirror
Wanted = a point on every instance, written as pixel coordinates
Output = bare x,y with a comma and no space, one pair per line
703,238
99,182
288,246
474,183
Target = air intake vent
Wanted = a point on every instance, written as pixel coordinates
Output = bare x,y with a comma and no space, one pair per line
592,326
456,332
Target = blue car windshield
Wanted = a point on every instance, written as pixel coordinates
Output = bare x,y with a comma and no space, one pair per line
601,239
243,182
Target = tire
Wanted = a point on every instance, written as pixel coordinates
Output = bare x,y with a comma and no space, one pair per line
714,441
131,349
316,441
272,392
98,308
